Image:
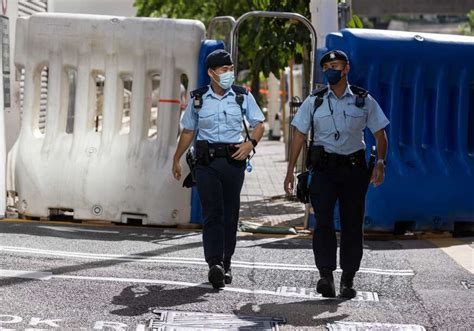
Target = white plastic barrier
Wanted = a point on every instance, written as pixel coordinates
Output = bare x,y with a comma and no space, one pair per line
274,106
297,92
3,156
103,175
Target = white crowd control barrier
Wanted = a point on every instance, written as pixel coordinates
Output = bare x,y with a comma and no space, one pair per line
90,166
274,106
3,156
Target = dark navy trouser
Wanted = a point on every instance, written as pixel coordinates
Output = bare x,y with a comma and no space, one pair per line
348,185
219,185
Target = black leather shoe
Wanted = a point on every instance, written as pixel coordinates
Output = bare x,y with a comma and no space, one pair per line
228,276
216,276
347,285
325,285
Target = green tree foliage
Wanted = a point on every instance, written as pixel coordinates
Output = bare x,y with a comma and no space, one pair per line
355,22
265,44
468,28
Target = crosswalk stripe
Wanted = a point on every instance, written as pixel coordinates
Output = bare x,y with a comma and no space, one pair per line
194,261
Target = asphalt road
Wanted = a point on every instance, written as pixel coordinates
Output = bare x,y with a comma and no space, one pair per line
72,277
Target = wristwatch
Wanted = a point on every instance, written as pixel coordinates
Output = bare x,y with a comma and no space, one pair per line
254,142
382,161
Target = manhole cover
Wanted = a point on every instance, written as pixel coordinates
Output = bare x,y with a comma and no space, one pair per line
360,326
182,320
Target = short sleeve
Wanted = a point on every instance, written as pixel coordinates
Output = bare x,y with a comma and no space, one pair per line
189,119
376,119
253,113
302,119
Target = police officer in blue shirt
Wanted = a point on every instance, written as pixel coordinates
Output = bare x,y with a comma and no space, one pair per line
338,114
215,114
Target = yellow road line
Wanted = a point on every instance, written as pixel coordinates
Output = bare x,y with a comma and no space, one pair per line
460,251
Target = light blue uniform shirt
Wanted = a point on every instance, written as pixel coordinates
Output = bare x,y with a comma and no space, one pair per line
220,118
349,120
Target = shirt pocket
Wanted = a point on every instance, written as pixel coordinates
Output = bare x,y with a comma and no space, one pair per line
323,122
356,119
207,119
233,116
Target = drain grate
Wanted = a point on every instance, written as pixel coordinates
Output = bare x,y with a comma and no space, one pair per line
312,294
167,320
359,326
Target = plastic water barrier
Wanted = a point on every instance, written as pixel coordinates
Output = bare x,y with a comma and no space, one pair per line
425,85
89,160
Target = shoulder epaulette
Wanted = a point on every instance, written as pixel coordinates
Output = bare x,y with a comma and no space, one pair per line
239,89
319,92
359,91
199,92
196,95
361,94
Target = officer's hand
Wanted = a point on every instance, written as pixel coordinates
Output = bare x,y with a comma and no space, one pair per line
378,175
288,184
243,151
176,170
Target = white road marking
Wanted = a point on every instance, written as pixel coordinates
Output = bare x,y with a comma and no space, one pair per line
26,274
70,229
363,296
458,250
193,261
359,326
311,293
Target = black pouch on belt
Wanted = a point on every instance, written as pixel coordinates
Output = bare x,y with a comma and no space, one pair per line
190,180
202,152
302,187
315,158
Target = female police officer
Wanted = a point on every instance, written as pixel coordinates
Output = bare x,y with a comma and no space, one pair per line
216,113
339,113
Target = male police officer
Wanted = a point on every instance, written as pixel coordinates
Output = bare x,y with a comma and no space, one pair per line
216,113
338,115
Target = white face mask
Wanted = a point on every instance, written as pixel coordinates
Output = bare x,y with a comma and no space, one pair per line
226,79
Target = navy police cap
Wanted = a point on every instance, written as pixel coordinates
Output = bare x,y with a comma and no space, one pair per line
218,58
333,55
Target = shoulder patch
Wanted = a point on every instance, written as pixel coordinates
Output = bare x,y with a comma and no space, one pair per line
319,92
359,91
239,89
199,92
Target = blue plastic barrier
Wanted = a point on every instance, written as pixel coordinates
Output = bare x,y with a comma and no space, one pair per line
207,47
425,85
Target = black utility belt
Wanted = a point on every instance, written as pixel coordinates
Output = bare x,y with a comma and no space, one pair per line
319,158
206,152
216,149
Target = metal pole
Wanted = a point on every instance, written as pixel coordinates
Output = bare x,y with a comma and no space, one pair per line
325,18
345,14
271,14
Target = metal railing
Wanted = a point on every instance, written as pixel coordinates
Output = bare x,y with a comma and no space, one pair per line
271,14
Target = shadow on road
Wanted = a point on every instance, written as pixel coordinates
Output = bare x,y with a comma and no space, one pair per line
300,313
141,299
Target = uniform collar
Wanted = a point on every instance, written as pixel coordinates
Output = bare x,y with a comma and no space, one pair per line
210,92
348,91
